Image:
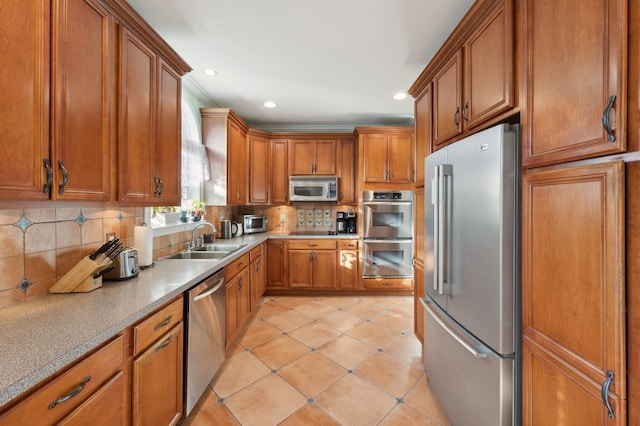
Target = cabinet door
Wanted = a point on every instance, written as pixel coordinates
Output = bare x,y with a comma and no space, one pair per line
573,284
374,149
105,407
169,143
157,381
301,157
423,132
275,267
555,393
447,95
24,84
347,172
488,68
300,268
325,158
232,310
82,90
400,158
137,119
236,165
324,268
348,269
279,172
244,296
418,203
259,169
573,64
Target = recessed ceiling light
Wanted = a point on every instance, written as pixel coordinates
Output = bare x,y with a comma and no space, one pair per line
270,104
399,96
209,71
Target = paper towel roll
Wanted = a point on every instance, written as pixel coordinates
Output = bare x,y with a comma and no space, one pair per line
143,241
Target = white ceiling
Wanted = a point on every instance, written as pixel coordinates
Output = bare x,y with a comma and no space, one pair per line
329,65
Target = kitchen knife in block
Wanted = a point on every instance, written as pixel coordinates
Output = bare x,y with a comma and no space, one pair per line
84,269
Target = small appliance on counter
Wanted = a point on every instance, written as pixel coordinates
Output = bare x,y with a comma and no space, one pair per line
251,223
346,222
125,266
229,229
351,223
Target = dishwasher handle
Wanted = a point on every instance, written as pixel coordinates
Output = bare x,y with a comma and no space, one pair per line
212,290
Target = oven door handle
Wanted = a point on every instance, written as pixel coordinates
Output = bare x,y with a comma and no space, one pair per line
387,240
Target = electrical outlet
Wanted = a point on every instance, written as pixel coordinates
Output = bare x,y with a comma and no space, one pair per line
283,218
111,236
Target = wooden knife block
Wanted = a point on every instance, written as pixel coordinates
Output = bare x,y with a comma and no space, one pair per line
80,277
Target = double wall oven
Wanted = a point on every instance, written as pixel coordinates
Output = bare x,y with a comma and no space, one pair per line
387,238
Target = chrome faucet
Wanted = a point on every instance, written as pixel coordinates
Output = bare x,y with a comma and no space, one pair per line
196,243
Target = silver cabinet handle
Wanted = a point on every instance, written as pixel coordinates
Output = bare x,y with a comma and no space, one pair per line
606,122
164,344
65,177
162,324
451,332
604,393
71,394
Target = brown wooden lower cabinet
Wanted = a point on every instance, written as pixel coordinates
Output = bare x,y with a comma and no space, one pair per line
348,261
312,264
238,302
92,385
276,267
157,381
573,294
555,393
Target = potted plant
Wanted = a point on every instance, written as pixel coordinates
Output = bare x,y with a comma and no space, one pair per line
198,209
164,215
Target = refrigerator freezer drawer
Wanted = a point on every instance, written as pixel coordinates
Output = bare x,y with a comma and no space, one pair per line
473,385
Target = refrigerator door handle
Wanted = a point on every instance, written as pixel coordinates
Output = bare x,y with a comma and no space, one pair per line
460,339
435,200
442,215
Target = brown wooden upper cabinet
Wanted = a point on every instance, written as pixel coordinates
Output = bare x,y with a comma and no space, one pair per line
312,157
150,125
225,136
64,65
575,85
279,171
423,127
347,176
259,168
386,154
476,82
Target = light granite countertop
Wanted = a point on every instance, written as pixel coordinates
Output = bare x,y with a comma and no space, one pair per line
47,333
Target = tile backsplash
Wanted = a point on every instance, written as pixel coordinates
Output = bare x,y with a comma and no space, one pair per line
38,246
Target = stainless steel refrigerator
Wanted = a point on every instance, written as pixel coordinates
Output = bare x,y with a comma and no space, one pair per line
471,331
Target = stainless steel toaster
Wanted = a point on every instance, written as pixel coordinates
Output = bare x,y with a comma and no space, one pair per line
125,266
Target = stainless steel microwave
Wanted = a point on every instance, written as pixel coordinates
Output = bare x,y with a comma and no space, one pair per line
313,188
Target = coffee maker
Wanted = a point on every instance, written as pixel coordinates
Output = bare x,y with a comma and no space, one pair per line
341,222
351,223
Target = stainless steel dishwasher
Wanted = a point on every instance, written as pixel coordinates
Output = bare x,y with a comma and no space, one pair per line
205,336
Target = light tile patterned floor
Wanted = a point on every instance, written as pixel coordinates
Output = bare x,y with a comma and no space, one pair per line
336,360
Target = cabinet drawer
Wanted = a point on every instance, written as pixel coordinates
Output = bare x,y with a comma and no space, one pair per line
105,407
348,245
312,244
150,329
63,395
237,266
256,252
388,284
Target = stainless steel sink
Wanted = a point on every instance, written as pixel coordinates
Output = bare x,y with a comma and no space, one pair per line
207,251
198,255
220,247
